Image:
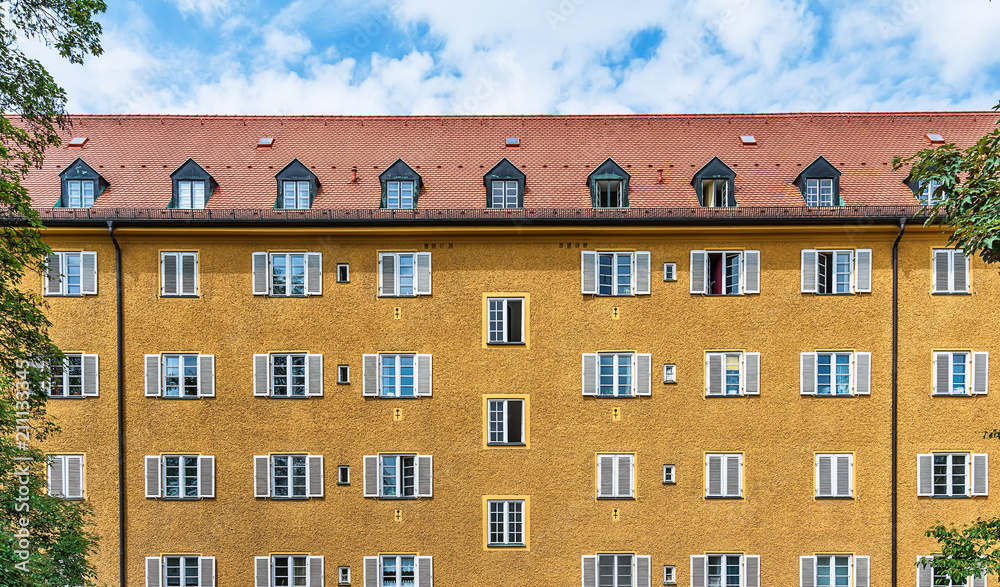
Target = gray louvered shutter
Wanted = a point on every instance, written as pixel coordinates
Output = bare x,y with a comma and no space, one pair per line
74,477
152,472
590,375
314,375
153,578
371,476
713,476
642,272
371,578
262,571
206,476
807,571
387,274
625,463
261,277
942,372
425,475
424,375
57,468
369,375
751,563
425,571
843,465
316,574
699,272
751,274
261,476
261,375
942,265
643,571
643,374
734,488
925,472
605,476
207,571
751,373
980,474
807,373
88,273
53,274
189,281
961,271
90,375
314,475
979,581
698,570
713,373
980,373
589,571
168,274
423,271
824,476
810,273
152,375
925,574
206,375
588,272
862,373
314,274
862,571
863,270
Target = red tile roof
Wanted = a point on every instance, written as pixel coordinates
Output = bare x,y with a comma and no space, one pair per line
137,154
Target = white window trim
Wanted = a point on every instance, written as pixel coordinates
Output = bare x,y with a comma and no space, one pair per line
156,477
264,485
835,480
399,194
670,272
858,573
264,569
641,374
340,477
343,575
423,569
422,272
505,521
54,278
976,485
504,320
699,567
155,376
263,375
724,475
749,373
423,466
749,266
669,475
423,375
819,183
639,273
976,373
262,274
89,378
178,274
617,462
954,257
642,568
506,421
669,575
58,476
860,377
860,264
156,569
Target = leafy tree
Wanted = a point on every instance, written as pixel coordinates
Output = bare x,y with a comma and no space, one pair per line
32,108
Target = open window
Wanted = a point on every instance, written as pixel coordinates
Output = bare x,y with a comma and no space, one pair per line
820,183
504,186
725,273
609,186
297,187
192,186
81,185
400,186
715,185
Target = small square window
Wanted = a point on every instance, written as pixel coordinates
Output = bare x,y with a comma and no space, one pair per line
670,272
670,373
668,474
669,575
265,142
343,575
343,476
343,273
343,374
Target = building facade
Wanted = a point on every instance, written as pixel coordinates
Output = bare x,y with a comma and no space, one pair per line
555,350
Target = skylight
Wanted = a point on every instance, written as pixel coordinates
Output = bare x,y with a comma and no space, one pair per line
748,140
78,141
513,142
935,138
265,142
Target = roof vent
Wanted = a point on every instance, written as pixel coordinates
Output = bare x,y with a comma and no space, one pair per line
748,140
78,142
265,143
935,138
513,142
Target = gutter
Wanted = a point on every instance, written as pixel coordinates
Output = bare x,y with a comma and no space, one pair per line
895,398
122,579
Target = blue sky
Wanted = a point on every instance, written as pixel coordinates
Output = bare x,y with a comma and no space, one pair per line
537,57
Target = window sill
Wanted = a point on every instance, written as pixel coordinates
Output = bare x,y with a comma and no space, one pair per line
610,396
833,395
505,545
399,397
399,296
670,483
190,296
505,444
178,397
630,498
397,498
502,344
952,496
953,394
833,498
290,498
734,497
289,396
724,395
344,484
63,295
69,396
951,293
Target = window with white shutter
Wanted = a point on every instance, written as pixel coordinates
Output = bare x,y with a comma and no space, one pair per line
180,571
398,476
282,570
835,373
832,271
288,476
724,570
609,273
398,570
958,474
66,476
724,475
950,272
725,273
615,476
616,570
288,375
617,374
70,273
180,376
929,575
180,476
75,376
829,570
178,274
404,274
397,375
732,374
287,274
834,475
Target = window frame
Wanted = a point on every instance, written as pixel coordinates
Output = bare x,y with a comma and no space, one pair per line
724,475
421,271
399,487
505,320
820,275
398,184
373,476
87,277
669,575
343,575
967,375
178,274
834,473
76,460
506,530
670,272
266,487
272,465
343,374
609,171
373,375
953,255
290,278
343,475
505,430
615,461
182,558
703,265
291,563
596,282
297,186
89,376
859,373
815,190
747,375
343,273
669,373
950,475
669,475
398,565
505,195
618,566
191,184
926,193
85,201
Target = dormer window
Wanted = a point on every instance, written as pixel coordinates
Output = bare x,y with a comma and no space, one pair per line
297,187
193,186
820,183
608,186
927,195
715,185
81,185
79,193
400,186
504,186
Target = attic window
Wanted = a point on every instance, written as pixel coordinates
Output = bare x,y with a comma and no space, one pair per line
513,142
78,142
935,138
265,143
748,140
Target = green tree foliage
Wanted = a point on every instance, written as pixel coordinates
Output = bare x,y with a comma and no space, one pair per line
32,108
969,551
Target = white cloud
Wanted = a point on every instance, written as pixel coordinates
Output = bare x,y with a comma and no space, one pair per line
210,10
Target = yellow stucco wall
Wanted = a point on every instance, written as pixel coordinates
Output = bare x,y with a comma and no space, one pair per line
778,432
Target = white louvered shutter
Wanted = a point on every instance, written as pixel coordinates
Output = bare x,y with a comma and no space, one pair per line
425,571
942,264
588,272
942,372
699,272
714,363
734,476
979,581
261,375
698,570
90,375
590,373
751,564
314,274
425,475
807,571
862,373
261,476
862,571
53,274
152,375
88,273
189,281
925,574
74,477
371,578
810,271
262,571
57,474
314,375
588,571
206,476
605,476
842,468
751,373
152,476
168,274
751,272
369,375
386,274
314,475
206,375
625,474
423,270
153,571
315,572
925,472
643,374
824,476
207,571
807,373
261,277
643,571
424,375
371,476
713,475
642,272
980,373
863,270
980,474
960,271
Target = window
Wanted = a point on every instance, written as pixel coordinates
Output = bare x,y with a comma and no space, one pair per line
615,476
928,574
504,194
835,475
180,476
670,272
295,195
289,570
81,185
404,274
669,575
400,375
621,374
191,194
343,374
616,570
668,475
343,273
836,374
75,376
836,271
180,375
400,186
192,186
293,476
399,570
179,274
79,193
724,475
609,186
287,274
725,570
958,474
71,274
725,273
506,421
398,476
715,193
343,575
504,186
399,194
714,184
820,183
506,320
180,571
288,375
343,475
65,476
297,186
951,272
819,192
835,570
928,195
506,522
732,374
669,373
960,372
624,273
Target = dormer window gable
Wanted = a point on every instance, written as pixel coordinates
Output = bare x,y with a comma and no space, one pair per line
608,185
192,186
820,183
297,187
80,185
504,186
927,192
400,186
715,185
